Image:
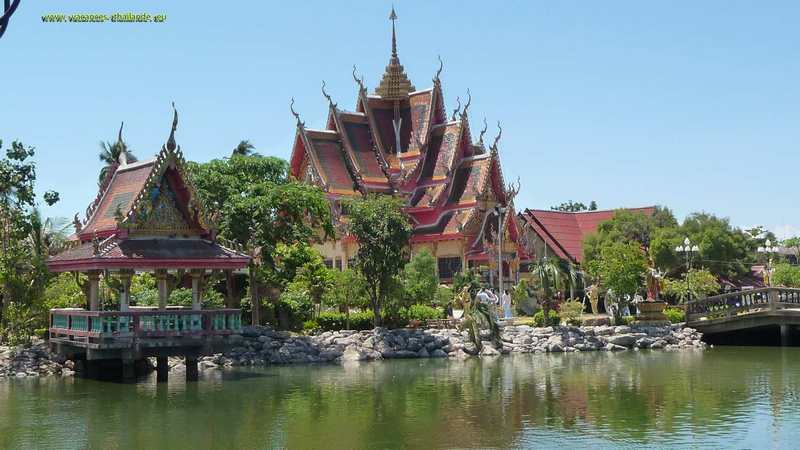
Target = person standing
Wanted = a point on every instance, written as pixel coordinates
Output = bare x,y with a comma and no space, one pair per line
506,300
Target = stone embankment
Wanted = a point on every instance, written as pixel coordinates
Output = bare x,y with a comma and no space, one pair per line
261,346
32,361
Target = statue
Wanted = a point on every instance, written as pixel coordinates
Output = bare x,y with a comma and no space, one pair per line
653,282
76,222
593,294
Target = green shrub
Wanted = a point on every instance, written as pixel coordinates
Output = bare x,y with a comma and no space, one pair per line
19,324
627,320
310,325
334,321
571,312
675,315
421,313
553,319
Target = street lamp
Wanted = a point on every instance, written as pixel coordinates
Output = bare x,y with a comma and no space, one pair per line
688,249
770,250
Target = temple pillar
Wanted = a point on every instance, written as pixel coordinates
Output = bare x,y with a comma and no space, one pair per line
230,287
163,293
125,292
162,369
197,280
94,290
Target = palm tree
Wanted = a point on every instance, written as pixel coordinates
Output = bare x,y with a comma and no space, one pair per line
573,275
549,274
49,237
245,148
110,154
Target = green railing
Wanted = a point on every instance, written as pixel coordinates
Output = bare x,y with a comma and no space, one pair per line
144,323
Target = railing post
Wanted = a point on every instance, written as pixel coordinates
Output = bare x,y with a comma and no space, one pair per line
772,294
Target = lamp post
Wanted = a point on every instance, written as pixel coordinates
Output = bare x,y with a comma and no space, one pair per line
688,249
770,250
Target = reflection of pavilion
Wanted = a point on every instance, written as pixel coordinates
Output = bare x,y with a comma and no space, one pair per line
146,217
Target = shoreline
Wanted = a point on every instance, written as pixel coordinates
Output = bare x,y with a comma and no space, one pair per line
264,346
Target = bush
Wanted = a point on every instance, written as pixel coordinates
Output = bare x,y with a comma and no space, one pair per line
571,312
310,325
334,321
19,324
553,319
626,320
421,313
675,315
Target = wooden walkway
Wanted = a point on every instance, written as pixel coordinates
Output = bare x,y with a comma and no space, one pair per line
743,310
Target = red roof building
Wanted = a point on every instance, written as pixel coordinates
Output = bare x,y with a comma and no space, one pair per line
400,141
562,233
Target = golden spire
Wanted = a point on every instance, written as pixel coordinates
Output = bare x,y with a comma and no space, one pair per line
394,85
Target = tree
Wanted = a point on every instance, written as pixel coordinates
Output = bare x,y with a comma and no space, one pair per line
349,291
627,226
382,230
261,208
245,148
786,275
110,155
547,273
571,206
696,283
793,244
22,251
620,266
419,278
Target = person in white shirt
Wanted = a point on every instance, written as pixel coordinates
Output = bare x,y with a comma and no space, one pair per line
506,302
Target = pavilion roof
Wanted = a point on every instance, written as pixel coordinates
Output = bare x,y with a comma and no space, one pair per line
147,215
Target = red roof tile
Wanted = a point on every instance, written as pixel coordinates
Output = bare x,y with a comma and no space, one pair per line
564,232
122,191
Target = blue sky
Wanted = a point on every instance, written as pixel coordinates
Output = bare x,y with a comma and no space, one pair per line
692,105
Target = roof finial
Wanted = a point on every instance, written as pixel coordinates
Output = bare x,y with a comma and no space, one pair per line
455,111
469,101
439,71
327,95
497,138
393,18
122,158
360,81
300,123
483,131
171,145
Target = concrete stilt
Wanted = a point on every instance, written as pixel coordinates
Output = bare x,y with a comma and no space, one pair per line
92,369
162,369
191,369
128,370
785,335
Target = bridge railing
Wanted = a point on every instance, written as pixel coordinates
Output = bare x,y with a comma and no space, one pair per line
80,325
732,304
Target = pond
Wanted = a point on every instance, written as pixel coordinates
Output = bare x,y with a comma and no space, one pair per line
726,397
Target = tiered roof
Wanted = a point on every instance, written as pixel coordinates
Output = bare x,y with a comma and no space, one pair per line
147,215
438,168
564,232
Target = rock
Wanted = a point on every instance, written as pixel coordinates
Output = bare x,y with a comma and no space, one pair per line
488,350
613,347
625,340
438,354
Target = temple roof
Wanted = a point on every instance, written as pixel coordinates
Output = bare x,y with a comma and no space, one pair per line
147,215
401,141
564,232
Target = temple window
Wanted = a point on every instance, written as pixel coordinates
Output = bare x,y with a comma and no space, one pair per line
328,263
338,263
449,266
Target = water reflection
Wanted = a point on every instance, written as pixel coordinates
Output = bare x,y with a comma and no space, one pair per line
740,397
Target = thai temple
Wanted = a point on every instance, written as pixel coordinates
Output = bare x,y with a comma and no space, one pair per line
401,141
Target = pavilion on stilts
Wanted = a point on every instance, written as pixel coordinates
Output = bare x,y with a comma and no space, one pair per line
146,217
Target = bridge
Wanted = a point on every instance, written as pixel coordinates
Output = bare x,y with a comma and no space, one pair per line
746,310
